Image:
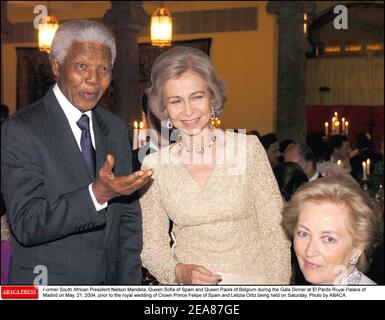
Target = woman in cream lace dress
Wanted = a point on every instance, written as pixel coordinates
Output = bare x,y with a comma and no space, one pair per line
217,187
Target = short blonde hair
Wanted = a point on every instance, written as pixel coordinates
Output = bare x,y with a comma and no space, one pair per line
173,63
365,218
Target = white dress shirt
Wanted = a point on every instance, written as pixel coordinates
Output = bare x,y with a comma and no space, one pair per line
315,176
73,115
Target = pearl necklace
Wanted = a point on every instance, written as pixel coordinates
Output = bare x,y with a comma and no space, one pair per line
198,149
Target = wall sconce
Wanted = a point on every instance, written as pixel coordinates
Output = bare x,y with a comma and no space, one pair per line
161,27
46,33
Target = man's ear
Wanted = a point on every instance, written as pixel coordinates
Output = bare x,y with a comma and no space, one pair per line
55,65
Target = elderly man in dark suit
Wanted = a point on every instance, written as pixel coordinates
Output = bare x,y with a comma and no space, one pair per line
66,173
304,156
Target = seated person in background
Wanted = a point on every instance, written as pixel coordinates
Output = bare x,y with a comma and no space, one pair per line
316,143
365,151
302,155
336,228
283,145
290,177
339,149
157,137
271,145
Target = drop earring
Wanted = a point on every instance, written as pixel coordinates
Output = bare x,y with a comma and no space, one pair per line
212,117
169,124
354,260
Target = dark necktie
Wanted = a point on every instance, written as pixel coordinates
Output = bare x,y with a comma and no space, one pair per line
86,143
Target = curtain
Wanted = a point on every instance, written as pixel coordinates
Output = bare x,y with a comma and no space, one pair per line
345,81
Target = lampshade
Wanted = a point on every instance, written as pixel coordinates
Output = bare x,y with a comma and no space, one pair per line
161,28
46,32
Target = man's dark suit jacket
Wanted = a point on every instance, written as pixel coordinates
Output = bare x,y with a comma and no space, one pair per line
53,219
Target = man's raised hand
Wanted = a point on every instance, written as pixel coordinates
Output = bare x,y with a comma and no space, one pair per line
108,186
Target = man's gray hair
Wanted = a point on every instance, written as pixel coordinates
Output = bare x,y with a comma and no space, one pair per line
307,155
80,31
